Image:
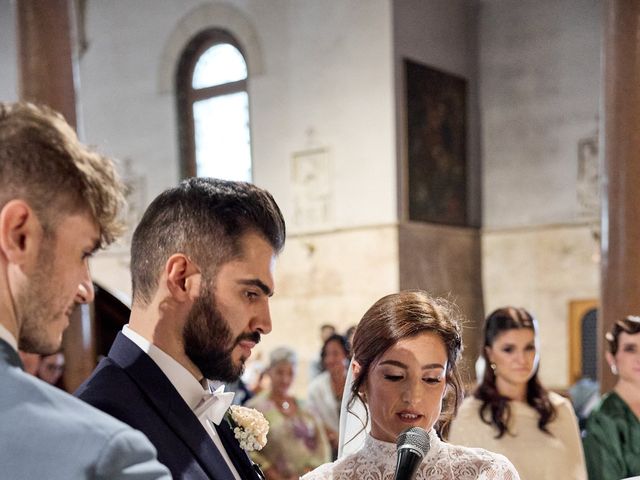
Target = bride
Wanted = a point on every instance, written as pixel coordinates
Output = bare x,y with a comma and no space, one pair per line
405,351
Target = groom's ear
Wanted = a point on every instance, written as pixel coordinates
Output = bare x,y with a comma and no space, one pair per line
182,277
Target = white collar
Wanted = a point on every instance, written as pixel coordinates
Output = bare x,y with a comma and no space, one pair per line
189,388
8,337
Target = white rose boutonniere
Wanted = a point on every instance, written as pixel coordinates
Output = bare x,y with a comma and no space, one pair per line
250,427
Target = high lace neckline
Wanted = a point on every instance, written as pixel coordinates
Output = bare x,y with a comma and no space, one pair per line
374,448
376,460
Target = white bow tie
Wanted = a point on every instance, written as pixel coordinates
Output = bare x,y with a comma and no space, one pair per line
214,405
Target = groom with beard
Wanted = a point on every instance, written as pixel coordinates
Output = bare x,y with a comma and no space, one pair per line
202,261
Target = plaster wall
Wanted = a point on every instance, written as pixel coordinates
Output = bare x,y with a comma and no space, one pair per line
325,83
539,94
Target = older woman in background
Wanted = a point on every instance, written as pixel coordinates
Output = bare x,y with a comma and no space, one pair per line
296,442
512,413
612,440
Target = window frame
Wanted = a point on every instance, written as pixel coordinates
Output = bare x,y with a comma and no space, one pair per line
186,95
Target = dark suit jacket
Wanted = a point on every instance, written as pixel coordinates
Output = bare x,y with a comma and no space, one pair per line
131,387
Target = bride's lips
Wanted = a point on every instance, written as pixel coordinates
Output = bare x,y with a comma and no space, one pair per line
409,417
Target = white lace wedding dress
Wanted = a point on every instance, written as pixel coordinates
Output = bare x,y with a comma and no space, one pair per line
376,460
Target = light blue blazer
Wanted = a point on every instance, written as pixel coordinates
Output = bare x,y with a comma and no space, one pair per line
48,434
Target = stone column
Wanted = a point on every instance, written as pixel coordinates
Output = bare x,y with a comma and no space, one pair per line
47,53
621,171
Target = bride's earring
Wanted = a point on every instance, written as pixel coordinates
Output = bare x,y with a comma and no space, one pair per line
493,367
614,369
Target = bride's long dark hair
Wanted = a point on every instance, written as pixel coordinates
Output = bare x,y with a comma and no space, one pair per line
495,408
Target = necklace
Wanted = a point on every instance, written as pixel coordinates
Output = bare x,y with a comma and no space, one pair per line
283,404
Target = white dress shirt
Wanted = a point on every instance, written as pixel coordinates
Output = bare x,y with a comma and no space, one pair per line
185,383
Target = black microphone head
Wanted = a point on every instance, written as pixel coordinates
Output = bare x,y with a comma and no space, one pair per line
416,439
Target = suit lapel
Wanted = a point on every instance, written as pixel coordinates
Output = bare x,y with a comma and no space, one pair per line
169,404
9,355
246,468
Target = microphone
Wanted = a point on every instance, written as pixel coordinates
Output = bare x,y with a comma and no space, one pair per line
413,445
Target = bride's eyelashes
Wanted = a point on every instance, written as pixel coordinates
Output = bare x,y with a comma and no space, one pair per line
397,378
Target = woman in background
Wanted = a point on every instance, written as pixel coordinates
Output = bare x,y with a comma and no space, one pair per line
512,413
296,442
612,440
325,391
405,354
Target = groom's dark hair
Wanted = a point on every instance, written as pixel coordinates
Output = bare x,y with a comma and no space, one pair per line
204,219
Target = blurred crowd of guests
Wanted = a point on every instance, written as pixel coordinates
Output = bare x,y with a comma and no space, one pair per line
303,433
544,434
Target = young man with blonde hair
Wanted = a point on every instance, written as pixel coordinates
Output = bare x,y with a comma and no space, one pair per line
59,202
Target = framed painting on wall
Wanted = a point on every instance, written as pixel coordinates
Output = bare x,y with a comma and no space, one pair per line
436,140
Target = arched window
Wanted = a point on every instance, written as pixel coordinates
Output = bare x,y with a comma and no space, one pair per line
213,108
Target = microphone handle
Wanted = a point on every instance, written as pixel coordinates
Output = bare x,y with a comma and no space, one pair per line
408,463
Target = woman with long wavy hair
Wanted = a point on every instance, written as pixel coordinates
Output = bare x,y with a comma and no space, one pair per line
512,413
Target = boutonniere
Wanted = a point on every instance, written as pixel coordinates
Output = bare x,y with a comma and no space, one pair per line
249,427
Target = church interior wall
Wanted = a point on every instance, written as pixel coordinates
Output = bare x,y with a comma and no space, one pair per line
331,82
540,81
323,86
539,95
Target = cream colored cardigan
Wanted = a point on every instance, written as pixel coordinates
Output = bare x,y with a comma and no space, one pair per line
535,454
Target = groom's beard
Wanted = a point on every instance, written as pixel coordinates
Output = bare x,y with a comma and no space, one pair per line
208,341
